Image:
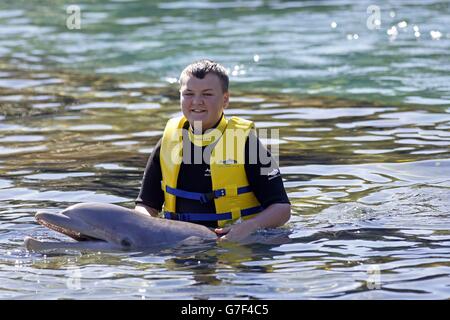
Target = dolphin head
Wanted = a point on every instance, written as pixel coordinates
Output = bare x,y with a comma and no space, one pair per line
91,222
110,227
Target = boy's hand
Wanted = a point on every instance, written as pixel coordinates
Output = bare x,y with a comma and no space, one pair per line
237,232
146,210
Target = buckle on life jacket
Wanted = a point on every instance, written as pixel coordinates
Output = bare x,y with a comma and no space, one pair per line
206,197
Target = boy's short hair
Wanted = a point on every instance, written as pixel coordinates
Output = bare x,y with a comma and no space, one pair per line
201,68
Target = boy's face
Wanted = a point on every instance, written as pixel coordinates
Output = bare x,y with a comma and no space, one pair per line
202,100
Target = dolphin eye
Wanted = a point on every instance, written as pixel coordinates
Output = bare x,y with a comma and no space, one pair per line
125,242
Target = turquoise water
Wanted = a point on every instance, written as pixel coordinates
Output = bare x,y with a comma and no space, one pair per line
363,118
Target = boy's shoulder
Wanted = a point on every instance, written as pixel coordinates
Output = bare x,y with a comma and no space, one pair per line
240,123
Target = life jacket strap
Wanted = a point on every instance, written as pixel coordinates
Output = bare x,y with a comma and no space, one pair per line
190,217
204,197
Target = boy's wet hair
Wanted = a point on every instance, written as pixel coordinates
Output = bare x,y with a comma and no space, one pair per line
201,68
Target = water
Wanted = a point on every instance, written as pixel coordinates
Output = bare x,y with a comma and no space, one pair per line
363,118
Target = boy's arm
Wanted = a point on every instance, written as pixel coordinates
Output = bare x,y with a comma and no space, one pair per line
267,185
273,216
151,196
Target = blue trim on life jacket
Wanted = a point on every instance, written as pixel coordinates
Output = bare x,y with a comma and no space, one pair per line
209,216
203,197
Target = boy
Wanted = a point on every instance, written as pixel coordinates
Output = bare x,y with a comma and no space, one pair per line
201,169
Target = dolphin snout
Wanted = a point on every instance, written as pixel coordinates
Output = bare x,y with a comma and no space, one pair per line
41,215
60,223
51,218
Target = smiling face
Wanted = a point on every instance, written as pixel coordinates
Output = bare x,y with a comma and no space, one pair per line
203,100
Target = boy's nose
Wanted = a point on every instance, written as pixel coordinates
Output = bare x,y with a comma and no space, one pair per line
198,100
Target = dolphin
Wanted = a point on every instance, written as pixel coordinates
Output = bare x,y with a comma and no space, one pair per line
108,227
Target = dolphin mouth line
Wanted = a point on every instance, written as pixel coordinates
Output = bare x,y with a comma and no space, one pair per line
68,232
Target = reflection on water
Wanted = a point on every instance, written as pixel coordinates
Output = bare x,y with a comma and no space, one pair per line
363,145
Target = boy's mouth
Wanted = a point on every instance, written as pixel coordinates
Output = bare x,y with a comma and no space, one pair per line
198,111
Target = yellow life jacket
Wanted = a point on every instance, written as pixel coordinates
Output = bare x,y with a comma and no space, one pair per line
231,193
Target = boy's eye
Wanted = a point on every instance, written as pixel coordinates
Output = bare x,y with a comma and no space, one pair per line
188,94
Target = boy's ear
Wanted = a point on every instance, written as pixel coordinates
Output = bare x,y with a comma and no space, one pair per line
226,99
